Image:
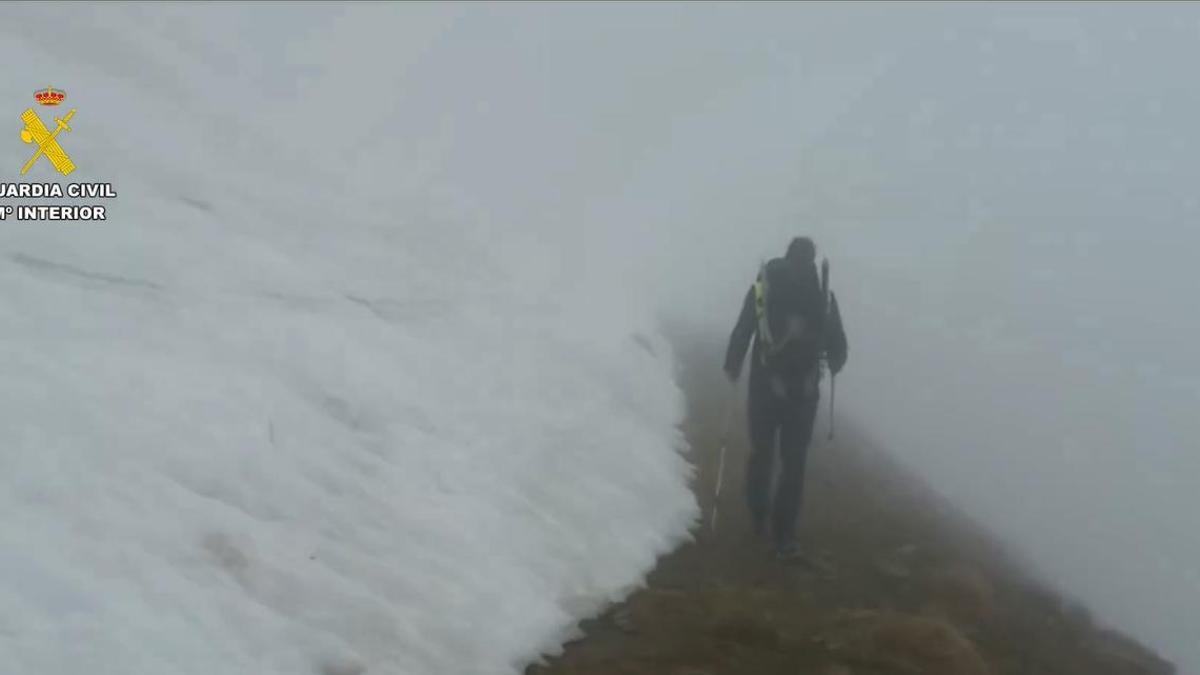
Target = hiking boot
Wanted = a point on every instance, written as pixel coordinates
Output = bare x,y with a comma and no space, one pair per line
789,553
819,565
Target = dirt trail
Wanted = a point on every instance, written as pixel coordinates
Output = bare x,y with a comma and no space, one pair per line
901,584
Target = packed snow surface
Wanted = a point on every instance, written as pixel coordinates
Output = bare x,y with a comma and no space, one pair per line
264,420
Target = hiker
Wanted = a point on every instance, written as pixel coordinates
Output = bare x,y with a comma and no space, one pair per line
794,327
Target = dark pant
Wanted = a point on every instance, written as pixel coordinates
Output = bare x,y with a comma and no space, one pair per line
790,418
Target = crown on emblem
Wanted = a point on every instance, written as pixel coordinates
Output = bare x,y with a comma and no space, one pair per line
49,96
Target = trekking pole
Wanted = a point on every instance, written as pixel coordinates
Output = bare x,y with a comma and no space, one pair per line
832,398
824,338
721,460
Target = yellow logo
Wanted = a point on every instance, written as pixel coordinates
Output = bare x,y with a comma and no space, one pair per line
36,132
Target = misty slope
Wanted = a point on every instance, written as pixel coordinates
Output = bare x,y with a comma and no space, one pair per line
474,195
900,581
260,425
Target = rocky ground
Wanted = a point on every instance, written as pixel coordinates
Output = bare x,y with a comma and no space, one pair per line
897,583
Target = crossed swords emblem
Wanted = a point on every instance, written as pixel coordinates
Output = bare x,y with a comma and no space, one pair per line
36,132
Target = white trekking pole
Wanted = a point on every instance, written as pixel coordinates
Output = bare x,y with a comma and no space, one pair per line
721,460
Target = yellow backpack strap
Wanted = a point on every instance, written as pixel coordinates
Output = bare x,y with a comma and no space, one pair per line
760,308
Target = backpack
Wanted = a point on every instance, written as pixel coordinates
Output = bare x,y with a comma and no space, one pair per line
789,307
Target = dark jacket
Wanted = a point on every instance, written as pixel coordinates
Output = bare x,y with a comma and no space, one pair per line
793,298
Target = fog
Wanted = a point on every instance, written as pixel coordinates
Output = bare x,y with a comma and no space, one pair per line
1006,194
